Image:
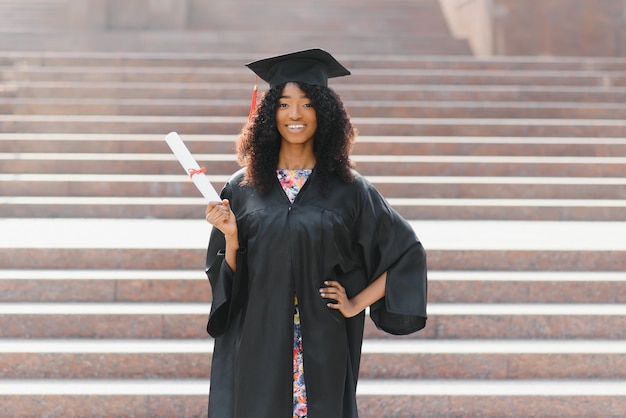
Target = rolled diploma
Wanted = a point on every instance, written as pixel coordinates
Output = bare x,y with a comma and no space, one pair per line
191,167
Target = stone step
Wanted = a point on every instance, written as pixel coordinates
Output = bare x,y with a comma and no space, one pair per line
451,245
191,234
19,258
360,75
347,91
226,41
192,286
375,398
433,209
428,13
368,92
365,145
389,359
353,59
31,14
368,165
114,124
239,107
188,321
108,258
392,187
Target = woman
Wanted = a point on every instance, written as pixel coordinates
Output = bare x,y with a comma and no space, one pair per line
301,245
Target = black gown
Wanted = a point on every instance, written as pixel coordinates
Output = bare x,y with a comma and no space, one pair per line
350,235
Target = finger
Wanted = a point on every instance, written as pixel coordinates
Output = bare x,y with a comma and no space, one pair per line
219,208
331,291
213,212
217,217
213,206
334,284
334,290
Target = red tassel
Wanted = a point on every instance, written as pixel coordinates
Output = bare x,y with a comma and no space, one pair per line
254,95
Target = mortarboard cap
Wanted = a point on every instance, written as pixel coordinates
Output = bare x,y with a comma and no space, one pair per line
311,66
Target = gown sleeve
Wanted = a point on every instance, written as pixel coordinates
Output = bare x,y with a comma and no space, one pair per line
228,287
389,243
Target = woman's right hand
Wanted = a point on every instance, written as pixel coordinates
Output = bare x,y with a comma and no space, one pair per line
221,216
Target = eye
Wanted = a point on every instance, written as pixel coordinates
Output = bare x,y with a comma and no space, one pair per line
283,105
308,105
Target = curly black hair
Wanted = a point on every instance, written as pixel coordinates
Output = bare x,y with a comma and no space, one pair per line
259,142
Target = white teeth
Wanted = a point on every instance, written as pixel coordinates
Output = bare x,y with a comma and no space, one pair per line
295,126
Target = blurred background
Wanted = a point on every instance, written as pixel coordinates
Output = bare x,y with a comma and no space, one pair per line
497,128
478,27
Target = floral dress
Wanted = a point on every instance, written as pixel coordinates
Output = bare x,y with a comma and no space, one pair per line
292,181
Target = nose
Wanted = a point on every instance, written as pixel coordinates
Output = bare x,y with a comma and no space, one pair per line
294,112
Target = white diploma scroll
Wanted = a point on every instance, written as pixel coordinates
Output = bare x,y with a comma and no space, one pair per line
191,167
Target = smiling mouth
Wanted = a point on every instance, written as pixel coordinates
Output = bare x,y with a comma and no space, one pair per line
294,127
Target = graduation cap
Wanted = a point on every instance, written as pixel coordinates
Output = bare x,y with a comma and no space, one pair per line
311,66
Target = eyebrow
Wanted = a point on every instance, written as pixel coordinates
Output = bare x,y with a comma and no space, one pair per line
304,96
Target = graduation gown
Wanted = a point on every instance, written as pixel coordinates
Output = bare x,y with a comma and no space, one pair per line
350,235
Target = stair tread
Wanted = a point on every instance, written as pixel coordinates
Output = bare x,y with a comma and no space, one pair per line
197,308
370,346
396,387
433,275
193,234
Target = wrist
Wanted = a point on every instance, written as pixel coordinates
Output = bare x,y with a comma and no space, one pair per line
232,240
358,305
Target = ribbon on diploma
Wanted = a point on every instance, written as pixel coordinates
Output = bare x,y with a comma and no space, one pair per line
193,172
191,167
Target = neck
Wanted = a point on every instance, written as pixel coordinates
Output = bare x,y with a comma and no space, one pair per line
294,160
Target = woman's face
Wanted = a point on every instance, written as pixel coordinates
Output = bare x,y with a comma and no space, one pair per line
295,117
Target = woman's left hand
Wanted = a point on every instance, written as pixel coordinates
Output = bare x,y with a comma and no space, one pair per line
337,292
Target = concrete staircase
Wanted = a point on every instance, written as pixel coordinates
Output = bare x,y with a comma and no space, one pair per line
512,171
32,15
200,26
